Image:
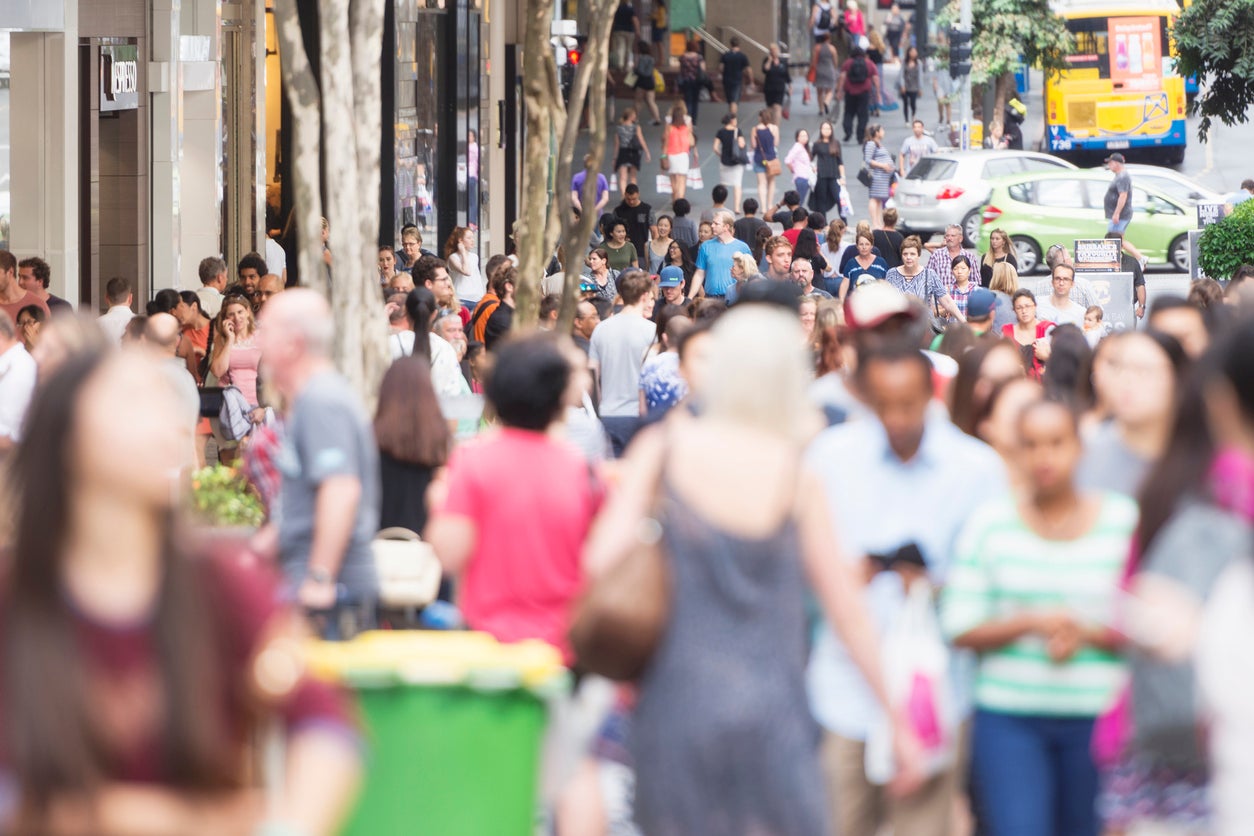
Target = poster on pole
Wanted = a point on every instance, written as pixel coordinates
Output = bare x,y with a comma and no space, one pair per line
1195,265
1210,213
1097,255
1113,291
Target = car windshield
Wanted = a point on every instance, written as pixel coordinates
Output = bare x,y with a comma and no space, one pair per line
1175,189
933,168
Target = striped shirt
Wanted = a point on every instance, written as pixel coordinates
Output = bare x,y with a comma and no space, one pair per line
1003,569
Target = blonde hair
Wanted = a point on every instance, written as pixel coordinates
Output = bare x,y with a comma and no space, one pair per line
748,267
863,226
1005,278
758,373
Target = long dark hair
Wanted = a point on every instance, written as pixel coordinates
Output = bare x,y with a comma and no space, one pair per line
408,423
1182,469
51,738
807,245
964,407
1068,376
420,306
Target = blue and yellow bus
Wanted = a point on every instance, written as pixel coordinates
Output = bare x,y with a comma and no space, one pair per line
1121,91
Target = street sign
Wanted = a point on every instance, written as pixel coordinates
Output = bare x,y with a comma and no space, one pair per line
1210,213
1097,255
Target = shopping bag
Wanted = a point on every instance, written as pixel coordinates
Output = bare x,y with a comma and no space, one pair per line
916,674
695,180
846,208
663,184
613,183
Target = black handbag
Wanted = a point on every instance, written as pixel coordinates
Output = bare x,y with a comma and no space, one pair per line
210,396
210,401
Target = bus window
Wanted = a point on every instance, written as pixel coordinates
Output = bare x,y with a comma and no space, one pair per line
1092,48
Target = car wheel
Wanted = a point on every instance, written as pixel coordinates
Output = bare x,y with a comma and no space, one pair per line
1179,254
1027,253
971,226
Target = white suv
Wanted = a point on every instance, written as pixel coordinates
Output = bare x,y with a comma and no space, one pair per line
951,187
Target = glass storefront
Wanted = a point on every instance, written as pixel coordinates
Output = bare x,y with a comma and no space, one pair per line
437,87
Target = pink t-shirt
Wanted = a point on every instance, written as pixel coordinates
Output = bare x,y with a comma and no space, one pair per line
532,499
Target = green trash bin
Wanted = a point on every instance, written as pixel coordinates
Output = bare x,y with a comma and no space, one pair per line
454,724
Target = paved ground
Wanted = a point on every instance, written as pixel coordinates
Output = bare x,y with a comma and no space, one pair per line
1221,163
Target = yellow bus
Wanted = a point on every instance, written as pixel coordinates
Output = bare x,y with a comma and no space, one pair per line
1121,91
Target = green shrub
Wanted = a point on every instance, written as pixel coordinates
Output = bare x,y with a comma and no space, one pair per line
222,498
1226,245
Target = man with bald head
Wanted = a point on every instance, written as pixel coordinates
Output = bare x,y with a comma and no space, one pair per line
161,336
329,495
269,286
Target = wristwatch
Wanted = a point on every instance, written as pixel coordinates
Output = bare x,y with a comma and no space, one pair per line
319,575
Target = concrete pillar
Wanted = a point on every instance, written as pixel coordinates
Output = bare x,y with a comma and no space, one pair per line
44,151
167,119
198,80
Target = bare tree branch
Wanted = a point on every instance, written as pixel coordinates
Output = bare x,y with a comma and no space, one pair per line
591,78
535,239
303,98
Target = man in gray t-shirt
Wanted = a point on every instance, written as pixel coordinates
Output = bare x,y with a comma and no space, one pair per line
914,147
617,351
328,504
1118,203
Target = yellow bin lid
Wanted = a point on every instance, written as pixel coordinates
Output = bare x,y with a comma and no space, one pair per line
383,658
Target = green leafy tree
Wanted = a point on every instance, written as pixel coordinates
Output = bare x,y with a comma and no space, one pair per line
1228,244
1213,39
1003,31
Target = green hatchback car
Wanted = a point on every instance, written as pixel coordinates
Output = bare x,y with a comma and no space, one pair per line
1043,208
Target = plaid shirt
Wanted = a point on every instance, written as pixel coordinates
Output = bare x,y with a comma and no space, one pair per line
940,264
960,296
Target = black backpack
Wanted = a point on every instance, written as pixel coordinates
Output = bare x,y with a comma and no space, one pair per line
858,70
825,20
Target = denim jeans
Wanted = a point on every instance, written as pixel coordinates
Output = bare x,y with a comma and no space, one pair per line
620,429
1034,774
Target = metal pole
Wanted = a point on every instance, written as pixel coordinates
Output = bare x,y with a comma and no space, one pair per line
964,99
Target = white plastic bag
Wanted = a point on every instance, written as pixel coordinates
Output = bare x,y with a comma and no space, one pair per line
663,184
916,673
695,181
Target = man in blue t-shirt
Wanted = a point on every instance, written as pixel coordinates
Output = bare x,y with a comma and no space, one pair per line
714,259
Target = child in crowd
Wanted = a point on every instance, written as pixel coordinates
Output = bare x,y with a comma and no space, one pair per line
1094,327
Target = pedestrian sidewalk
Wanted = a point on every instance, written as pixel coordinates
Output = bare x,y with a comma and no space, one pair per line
801,115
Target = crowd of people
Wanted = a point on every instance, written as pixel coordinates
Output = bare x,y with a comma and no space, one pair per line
843,396
943,550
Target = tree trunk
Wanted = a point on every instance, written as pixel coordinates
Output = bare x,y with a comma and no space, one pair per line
535,238
368,359
1005,84
590,79
303,98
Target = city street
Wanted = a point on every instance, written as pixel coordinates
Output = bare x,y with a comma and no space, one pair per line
1220,164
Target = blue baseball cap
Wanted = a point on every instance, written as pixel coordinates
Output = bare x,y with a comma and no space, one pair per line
671,276
981,303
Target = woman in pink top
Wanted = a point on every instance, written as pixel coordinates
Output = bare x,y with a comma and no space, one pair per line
678,143
236,354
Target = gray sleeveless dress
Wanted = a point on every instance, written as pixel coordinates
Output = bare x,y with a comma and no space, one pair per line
722,736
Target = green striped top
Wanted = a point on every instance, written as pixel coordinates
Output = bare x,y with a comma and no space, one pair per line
1002,569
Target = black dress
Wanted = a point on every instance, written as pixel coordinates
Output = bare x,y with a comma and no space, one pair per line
826,192
404,496
774,82
986,269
